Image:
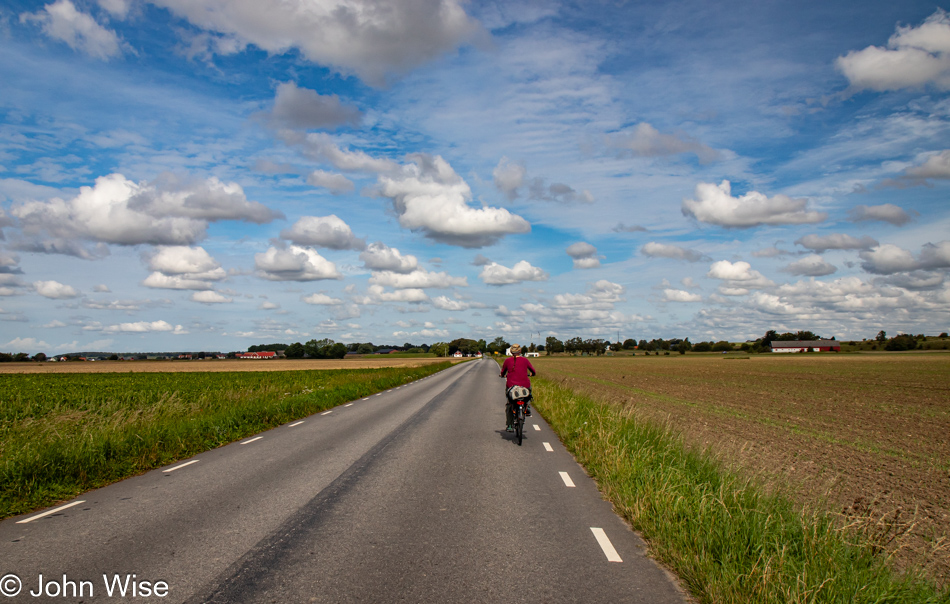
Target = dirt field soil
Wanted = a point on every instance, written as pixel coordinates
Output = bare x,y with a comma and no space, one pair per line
866,435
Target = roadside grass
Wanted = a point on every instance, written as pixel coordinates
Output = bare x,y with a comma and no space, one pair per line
727,538
63,434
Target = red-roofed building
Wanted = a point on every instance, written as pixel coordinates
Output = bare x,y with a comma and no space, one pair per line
266,354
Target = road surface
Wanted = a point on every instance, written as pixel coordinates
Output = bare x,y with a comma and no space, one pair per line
416,494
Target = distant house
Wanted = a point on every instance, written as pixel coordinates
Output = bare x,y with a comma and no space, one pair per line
266,354
387,350
458,354
805,345
532,354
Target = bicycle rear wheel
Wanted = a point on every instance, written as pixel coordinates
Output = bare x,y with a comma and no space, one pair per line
519,428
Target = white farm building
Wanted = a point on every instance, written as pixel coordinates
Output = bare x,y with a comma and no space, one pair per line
805,346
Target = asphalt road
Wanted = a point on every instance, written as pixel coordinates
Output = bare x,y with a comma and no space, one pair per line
416,494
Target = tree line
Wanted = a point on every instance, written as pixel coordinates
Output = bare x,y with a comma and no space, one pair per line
328,349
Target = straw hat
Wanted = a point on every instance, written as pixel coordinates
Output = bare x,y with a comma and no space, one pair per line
515,349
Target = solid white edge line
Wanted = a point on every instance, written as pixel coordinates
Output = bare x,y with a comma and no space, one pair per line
567,479
187,463
295,424
548,447
606,545
52,511
327,412
537,428
247,442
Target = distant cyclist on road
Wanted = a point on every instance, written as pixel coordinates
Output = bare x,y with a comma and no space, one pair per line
517,370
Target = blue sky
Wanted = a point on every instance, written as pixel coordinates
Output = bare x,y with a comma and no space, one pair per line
211,174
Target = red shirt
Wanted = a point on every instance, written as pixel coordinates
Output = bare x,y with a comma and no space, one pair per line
516,371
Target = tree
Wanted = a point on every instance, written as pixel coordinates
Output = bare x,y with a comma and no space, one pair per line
440,349
465,345
644,345
901,342
295,351
366,348
629,344
499,345
552,345
722,346
266,347
881,336
320,349
573,345
702,346
39,357
684,346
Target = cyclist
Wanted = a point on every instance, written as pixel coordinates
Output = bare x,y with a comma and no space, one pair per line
518,371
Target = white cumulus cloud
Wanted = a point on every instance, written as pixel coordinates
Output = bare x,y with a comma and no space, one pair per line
914,57
739,277
210,297
496,274
678,295
323,231
169,211
811,266
714,204
584,255
294,264
429,197
418,279
55,290
380,257
371,39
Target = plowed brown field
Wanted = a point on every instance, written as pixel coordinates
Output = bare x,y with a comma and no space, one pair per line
216,365
866,435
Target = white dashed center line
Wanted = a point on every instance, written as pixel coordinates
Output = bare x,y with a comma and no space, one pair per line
187,463
52,511
247,442
567,479
327,412
547,447
348,405
296,424
537,428
606,545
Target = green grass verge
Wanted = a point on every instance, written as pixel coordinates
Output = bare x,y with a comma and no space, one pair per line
726,538
63,434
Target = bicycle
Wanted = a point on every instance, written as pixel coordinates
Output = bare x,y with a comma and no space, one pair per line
518,398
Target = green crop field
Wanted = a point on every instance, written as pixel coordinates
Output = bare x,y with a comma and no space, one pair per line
62,434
